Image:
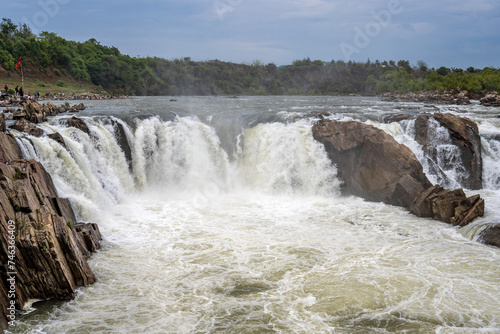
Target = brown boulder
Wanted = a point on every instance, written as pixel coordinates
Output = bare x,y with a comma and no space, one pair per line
491,100
23,125
450,206
75,108
34,112
8,148
78,123
371,164
58,138
491,235
51,109
18,114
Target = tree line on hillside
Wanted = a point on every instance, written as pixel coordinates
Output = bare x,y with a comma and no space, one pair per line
118,73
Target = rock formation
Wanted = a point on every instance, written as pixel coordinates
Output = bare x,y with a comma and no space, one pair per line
2,122
448,97
37,113
452,207
491,235
78,123
40,236
491,100
372,165
23,125
8,148
58,138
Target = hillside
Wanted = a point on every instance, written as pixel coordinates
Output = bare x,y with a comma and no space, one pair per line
51,63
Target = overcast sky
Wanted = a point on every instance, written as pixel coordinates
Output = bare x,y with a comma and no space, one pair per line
453,33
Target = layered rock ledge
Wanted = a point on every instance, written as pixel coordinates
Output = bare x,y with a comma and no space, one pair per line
37,113
44,250
372,165
491,99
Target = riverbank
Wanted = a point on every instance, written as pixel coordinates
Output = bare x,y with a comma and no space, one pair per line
457,97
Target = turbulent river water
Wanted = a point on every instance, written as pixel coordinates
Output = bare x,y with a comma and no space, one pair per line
225,217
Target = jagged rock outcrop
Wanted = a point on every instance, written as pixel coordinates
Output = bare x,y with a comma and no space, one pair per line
78,123
491,235
37,113
8,148
34,112
58,138
450,206
50,251
23,125
491,100
372,165
2,123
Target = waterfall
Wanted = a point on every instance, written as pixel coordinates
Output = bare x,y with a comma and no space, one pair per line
440,159
491,160
182,155
286,158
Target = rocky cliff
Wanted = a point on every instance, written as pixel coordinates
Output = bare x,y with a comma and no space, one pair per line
372,165
43,249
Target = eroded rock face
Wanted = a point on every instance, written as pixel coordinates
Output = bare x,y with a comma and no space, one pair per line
8,148
23,125
58,138
2,122
51,248
34,112
37,113
371,164
450,206
78,123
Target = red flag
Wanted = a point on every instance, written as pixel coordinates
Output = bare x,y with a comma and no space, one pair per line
18,63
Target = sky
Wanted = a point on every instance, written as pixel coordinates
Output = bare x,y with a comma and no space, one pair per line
451,33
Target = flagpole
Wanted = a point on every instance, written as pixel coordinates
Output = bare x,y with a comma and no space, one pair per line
22,76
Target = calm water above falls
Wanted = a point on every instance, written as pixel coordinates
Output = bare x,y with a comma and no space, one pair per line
228,220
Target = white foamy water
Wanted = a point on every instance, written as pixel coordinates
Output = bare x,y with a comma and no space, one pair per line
197,240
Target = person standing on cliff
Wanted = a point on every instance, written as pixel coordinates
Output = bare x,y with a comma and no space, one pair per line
6,89
21,93
17,90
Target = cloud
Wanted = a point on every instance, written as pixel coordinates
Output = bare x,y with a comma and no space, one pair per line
280,31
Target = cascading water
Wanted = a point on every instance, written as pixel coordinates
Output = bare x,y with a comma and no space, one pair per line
440,159
259,241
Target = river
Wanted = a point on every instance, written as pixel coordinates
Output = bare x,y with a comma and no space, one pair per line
227,218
